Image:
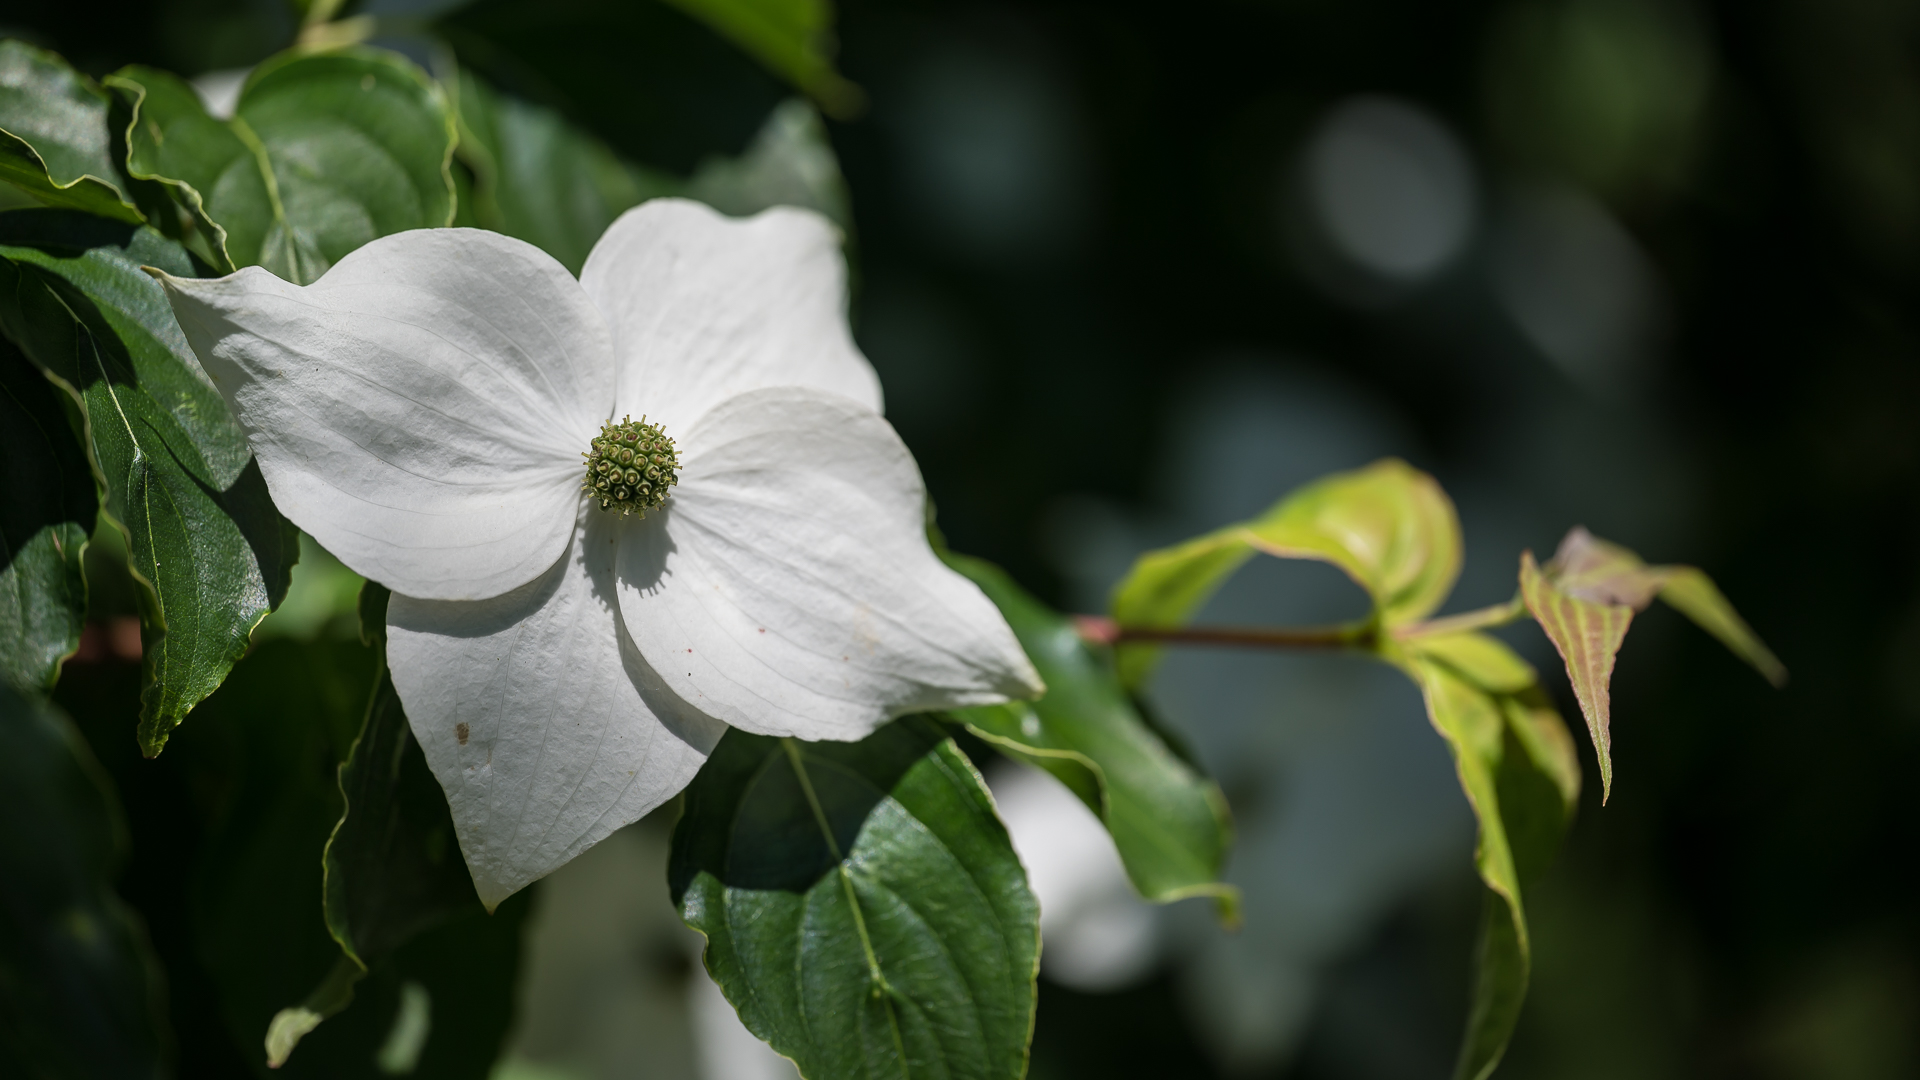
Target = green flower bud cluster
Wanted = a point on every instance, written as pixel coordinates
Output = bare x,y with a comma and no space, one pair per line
631,466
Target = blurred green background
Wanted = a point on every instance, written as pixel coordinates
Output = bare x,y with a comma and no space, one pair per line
1130,271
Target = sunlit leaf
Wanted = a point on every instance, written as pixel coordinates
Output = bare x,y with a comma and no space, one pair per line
1388,526
1693,594
326,151
55,142
80,993
211,553
863,907
1168,821
1587,634
793,38
1585,598
1516,764
47,508
1590,568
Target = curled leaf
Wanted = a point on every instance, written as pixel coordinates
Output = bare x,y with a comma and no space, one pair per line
1388,526
55,142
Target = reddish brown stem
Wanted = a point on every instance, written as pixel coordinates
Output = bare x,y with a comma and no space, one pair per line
1104,631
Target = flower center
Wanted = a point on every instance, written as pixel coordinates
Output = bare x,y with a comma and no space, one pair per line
631,466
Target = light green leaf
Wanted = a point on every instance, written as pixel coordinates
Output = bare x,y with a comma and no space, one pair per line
863,907
1168,821
1515,762
1589,568
1586,597
326,151
1693,594
793,38
211,553
539,178
47,508
55,142
1389,526
1587,634
80,992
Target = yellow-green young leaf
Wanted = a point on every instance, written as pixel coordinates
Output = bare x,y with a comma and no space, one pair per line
47,507
325,151
1389,526
864,910
55,142
1587,634
1590,568
1692,593
1515,763
1169,822
793,38
1585,598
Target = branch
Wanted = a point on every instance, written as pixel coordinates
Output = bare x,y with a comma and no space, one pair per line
1104,631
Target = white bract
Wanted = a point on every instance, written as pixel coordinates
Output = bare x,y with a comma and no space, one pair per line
423,409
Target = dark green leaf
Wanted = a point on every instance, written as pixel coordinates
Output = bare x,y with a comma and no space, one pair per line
863,907
1169,823
47,508
55,142
204,540
1388,526
392,867
268,748
789,163
540,178
325,152
79,991
793,38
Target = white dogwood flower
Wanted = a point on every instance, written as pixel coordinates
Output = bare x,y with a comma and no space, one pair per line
578,609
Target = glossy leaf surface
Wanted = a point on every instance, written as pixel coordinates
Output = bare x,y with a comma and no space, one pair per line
55,142
1169,822
80,994
1388,526
325,152
210,551
864,910
47,507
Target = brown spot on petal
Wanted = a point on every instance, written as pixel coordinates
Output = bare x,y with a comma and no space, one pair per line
460,732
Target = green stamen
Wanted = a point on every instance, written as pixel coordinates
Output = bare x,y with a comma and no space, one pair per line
631,466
